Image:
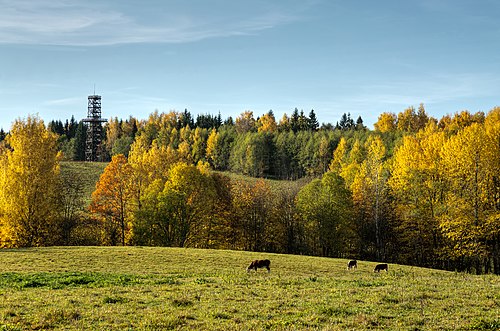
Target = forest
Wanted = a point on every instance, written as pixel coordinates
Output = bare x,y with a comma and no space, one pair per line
415,190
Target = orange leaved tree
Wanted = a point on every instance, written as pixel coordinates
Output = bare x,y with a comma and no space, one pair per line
113,200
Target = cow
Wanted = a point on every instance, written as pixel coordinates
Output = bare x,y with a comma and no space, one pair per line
259,264
353,264
381,266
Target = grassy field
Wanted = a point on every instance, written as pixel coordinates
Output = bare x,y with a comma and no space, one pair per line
144,288
87,172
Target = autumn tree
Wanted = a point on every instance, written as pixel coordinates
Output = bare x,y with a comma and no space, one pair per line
386,122
200,136
471,218
245,122
267,123
371,200
407,120
460,120
339,156
219,147
411,120
189,195
417,184
112,200
113,133
352,163
29,207
175,212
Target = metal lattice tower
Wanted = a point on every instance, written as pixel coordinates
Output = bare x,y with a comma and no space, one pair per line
94,129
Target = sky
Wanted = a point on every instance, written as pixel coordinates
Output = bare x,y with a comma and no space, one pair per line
361,57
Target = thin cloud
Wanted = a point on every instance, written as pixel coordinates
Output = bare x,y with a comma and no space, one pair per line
63,102
75,23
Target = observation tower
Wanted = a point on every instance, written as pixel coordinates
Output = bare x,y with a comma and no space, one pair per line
94,129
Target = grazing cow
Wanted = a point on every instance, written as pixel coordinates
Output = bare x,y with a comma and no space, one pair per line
353,264
381,266
259,264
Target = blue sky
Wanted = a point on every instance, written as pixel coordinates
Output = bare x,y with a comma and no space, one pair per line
359,56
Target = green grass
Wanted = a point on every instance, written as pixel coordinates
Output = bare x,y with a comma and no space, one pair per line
87,172
144,288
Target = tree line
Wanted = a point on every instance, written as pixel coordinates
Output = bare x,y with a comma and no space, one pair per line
415,190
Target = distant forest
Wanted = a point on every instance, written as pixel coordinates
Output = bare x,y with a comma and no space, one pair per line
415,190
271,140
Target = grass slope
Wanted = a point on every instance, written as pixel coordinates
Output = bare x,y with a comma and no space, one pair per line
145,288
87,172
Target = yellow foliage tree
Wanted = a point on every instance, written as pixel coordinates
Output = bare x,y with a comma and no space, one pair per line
339,156
29,209
471,220
188,199
417,184
352,164
267,123
387,122
211,152
369,189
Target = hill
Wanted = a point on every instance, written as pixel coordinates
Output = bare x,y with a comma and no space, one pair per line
87,172
146,288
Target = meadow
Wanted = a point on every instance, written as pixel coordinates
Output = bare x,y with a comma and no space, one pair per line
87,172
147,288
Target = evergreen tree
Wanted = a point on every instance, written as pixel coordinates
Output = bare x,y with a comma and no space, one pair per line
303,121
218,121
342,124
313,121
134,128
80,139
185,119
294,120
284,124
359,124
71,128
56,127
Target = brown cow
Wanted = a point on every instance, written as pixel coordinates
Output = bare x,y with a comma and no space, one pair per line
259,264
353,264
381,266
